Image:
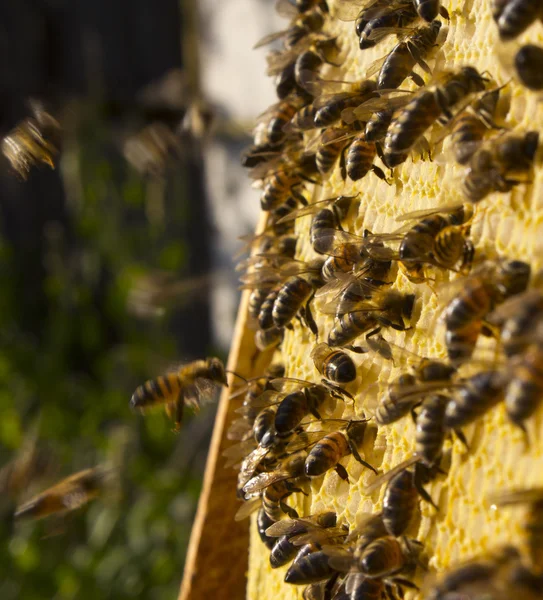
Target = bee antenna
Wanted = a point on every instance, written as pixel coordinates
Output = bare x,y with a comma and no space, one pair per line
237,375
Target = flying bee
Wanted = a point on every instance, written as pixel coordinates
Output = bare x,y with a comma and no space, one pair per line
152,149
408,388
34,140
525,389
533,521
190,385
478,394
71,493
399,63
527,62
514,16
505,161
425,108
329,448
334,365
309,566
485,288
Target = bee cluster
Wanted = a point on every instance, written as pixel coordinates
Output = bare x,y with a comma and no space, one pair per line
348,296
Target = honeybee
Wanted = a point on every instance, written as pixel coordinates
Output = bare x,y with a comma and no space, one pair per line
330,104
400,502
498,574
477,395
470,126
190,385
329,448
518,320
383,557
309,566
399,63
332,143
359,158
334,365
514,16
152,149
276,118
488,286
525,389
527,62
304,24
69,494
320,526
499,165
281,185
431,431
282,552
34,140
406,390
533,520
425,108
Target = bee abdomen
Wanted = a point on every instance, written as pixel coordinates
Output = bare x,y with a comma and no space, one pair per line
400,503
291,411
339,368
309,569
431,431
326,454
289,299
348,327
517,16
382,557
282,552
360,157
265,316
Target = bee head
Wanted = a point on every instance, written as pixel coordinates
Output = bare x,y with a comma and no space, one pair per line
216,370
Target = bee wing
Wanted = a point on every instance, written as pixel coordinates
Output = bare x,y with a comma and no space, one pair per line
339,557
381,479
421,214
286,9
267,398
318,535
512,497
348,10
238,429
320,351
350,306
511,307
385,102
291,526
326,89
263,480
268,39
247,508
201,392
336,285
305,439
375,66
288,383
239,451
329,241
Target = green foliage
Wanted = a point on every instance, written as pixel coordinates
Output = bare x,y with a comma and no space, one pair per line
77,374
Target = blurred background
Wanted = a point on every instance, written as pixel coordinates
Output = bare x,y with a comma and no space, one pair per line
118,264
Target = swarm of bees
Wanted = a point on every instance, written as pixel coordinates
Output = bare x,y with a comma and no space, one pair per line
346,296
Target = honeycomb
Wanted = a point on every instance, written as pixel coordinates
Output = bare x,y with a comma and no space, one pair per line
505,225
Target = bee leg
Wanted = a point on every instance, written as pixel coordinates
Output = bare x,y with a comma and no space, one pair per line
417,79
289,511
379,172
336,391
358,458
357,349
298,491
401,582
299,196
309,319
425,495
315,413
342,165
342,472
413,412
462,438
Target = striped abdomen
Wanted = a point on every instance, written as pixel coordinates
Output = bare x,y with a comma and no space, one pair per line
290,297
324,219
516,16
400,503
326,454
382,557
472,304
265,317
348,327
293,408
162,390
339,367
431,431
525,391
359,157
397,404
309,567
451,246
468,131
